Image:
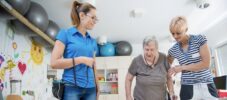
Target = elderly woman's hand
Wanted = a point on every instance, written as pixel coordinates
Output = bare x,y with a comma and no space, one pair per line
174,70
173,97
129,98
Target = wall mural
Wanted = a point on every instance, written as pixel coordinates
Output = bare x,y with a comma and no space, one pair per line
22,67
1,60
1,85
36,53
22,59
15,54
1,81
10,66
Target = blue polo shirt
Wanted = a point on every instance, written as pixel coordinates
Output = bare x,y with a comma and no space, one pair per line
75,46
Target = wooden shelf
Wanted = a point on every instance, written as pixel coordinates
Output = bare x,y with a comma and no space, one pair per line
23,20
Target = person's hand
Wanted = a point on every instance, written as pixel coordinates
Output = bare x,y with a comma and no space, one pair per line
173,97
129,98
98,92
174,70
88,61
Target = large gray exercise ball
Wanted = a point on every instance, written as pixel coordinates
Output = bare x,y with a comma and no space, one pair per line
37,16
52,29
20,28
21,6
123,48
41,41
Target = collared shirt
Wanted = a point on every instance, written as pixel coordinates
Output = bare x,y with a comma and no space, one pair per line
77,45
191,56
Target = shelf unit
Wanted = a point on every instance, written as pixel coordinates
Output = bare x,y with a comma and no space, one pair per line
108,80
119,66
23,20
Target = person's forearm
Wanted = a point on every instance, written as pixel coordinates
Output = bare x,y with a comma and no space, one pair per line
128,84
65,63
96,77
170,86
196,67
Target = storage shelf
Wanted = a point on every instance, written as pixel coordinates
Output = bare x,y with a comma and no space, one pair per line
111,81
108,81
108,87
23,20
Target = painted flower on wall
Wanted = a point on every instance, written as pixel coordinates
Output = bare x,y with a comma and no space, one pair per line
1,60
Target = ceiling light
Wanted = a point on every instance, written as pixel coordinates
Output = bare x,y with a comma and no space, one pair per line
202,3
137,13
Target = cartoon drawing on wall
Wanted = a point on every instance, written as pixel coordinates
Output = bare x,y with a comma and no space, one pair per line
10,66
2,74
10,32
37,53
1,60
23,54
1,85
22,67
15,55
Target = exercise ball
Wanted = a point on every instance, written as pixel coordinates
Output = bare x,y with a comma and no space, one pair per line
37,16
107,50
123,48
52,29
41,41
20,28
21,6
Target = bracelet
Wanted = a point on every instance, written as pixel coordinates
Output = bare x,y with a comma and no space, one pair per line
73,62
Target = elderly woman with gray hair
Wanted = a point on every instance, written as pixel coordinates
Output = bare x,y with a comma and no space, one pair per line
151,72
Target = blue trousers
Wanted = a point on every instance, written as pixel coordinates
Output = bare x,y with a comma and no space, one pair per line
79,93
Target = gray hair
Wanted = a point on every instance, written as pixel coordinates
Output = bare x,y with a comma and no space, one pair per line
149,39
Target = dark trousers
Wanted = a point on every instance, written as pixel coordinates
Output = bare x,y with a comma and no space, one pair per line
186,92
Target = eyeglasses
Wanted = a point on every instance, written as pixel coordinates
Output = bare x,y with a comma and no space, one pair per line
176,33
179,33
94,18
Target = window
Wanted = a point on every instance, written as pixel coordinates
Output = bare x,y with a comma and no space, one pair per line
221,53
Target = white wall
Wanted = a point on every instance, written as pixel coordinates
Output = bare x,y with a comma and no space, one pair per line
217,33
164,46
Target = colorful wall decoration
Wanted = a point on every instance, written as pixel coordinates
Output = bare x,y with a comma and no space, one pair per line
22,59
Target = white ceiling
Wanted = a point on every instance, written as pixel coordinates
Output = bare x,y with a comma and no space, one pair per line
117,23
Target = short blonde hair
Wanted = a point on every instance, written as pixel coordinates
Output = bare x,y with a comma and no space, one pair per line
178,25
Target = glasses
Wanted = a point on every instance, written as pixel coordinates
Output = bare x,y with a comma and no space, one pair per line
176,33
94,18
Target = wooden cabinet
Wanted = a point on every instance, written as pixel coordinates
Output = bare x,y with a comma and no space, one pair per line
108,81
109,97
112,72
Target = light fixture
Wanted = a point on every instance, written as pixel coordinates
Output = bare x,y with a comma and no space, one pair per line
137,13
202,3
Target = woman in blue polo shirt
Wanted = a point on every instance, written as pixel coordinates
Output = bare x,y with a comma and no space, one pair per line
192,53
73,52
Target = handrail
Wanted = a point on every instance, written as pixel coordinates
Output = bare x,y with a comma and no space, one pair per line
22,19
